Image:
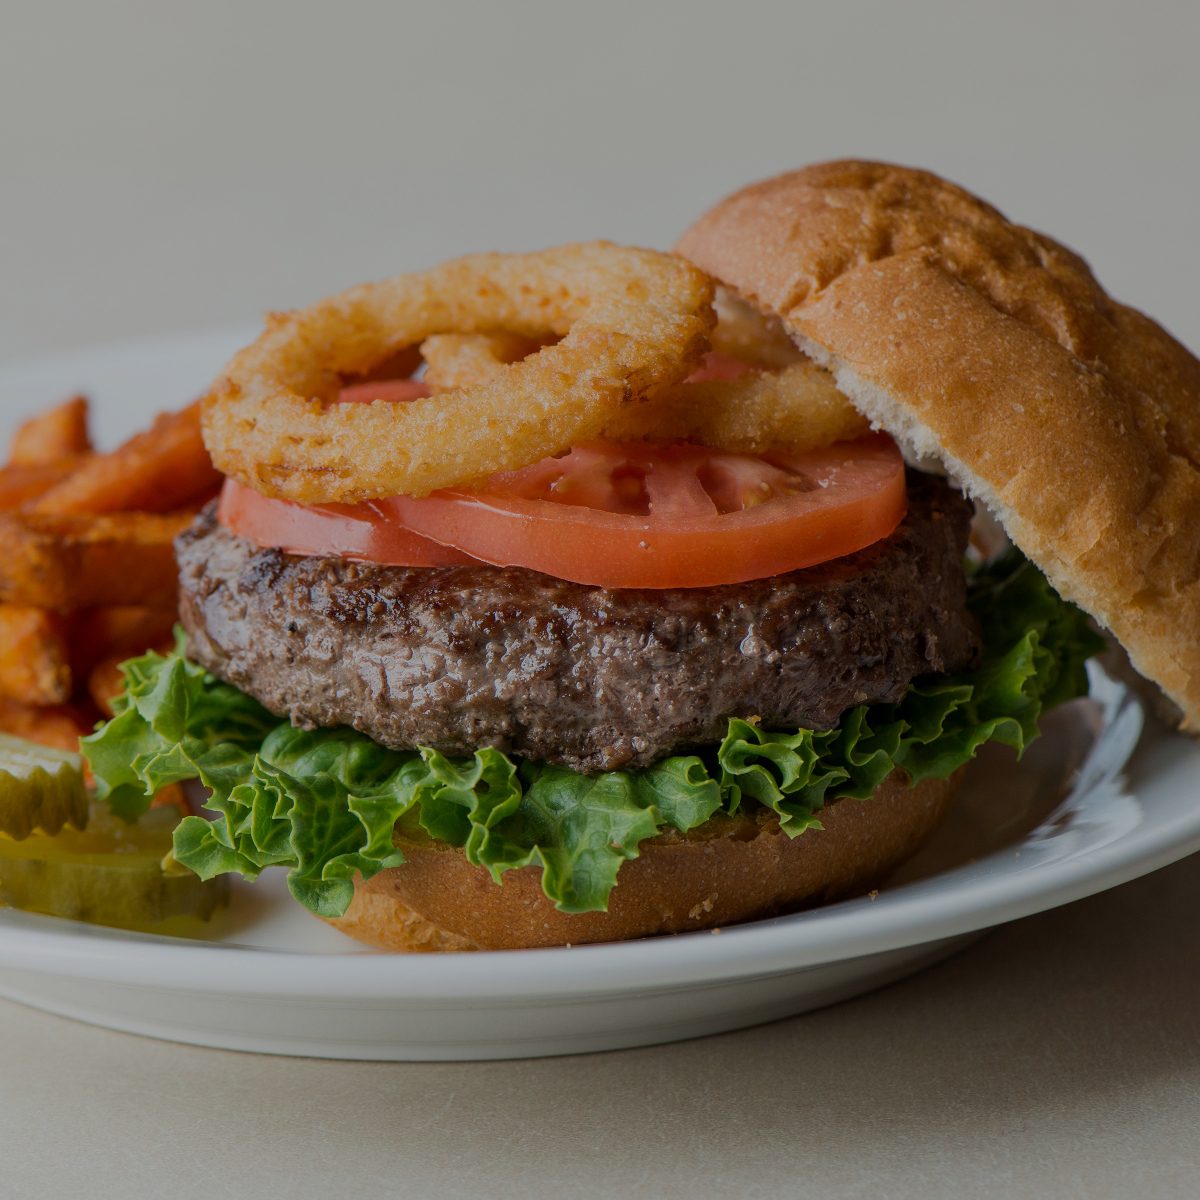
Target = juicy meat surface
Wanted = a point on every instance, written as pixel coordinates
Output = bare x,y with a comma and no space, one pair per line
463,657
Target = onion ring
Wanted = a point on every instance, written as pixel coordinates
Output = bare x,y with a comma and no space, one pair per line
797,407
460,360
463,360
629,321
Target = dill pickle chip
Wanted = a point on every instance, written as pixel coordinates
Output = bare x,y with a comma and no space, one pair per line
40,788
110,873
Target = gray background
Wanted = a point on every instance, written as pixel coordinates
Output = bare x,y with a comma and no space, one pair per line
167,168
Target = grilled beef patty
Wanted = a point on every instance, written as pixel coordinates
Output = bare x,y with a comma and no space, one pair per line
463,657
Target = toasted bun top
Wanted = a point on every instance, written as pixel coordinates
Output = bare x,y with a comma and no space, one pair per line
994,349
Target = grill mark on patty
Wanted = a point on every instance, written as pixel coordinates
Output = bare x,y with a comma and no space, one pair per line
594,679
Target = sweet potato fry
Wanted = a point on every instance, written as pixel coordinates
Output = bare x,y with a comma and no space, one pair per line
35,664
61,726
65,563
105,682
156,471
112,635
118,632
173,796
19,485
59,433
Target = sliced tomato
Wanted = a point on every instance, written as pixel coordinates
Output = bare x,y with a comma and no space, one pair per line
356,531
395,391
632,515
619,515
640,515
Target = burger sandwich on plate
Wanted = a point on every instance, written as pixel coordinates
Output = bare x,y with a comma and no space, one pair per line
548,601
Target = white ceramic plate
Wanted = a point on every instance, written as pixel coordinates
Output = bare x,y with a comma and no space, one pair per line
1097,801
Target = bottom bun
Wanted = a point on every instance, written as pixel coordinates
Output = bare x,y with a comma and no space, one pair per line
730,869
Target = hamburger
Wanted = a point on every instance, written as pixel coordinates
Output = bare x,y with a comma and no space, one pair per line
486,748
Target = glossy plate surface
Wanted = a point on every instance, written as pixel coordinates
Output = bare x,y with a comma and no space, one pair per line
1101,798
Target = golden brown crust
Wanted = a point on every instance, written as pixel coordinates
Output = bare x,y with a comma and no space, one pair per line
729,870
376,917
1076,419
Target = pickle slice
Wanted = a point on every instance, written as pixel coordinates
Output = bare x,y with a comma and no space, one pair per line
110,873
40,788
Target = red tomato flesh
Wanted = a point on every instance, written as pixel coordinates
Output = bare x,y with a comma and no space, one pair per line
631,515
356,531
394,391
640,515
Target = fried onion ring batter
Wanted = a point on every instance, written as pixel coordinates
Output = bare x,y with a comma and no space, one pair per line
793,407
629,321
796,408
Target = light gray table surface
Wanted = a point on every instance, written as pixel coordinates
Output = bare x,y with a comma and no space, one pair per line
164,169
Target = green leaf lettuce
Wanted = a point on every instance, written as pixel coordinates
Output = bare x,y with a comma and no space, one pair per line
327,804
